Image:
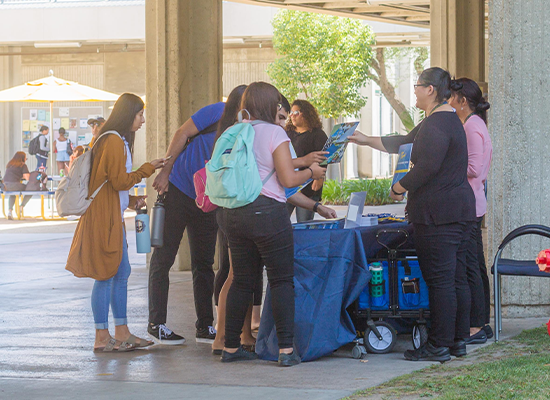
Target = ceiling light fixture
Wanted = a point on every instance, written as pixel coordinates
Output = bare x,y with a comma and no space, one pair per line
58,44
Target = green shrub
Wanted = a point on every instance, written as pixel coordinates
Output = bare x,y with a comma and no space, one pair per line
338,193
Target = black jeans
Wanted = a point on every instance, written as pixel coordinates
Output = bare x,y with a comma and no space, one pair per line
441,251
260,230
223,272
475,269
182,213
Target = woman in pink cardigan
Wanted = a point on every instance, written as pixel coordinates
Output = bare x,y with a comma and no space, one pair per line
471,107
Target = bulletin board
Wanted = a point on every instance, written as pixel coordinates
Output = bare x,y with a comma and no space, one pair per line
73,119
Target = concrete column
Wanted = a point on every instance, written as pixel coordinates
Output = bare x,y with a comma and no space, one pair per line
183,71
518,84
457,37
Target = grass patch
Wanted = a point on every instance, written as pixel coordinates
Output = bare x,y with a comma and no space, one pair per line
515,369
338,193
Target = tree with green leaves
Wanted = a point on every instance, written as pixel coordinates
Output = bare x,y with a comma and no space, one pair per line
324,57
329,59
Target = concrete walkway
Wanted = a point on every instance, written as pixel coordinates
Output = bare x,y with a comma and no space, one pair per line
46,331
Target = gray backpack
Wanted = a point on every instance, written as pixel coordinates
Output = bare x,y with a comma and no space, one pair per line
71,196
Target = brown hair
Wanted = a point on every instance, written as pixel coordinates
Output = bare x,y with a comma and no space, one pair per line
18,160
309,113
261,100
78,151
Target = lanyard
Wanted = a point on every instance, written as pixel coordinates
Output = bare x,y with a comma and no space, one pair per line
436,107
468,117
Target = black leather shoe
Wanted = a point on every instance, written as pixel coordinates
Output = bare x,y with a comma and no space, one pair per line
488,331
428,352
459,348
240,355
478,338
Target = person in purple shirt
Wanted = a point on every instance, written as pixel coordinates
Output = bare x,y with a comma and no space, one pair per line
189,150
471,107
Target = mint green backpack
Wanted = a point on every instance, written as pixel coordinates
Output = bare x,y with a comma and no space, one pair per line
232,177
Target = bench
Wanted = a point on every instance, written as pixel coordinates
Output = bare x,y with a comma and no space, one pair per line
19,193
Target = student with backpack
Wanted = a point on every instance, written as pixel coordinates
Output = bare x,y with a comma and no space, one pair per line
99,249
40,148
190,148
260,228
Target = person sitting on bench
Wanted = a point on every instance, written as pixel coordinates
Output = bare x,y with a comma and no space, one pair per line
17,172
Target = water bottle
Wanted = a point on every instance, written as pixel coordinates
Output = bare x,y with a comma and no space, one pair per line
143,236
157,224
377,277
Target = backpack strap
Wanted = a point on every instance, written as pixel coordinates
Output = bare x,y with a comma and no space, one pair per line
94,194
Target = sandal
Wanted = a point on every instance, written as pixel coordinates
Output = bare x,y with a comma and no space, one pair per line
133,340
110,347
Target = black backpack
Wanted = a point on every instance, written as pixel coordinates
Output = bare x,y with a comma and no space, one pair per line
34,146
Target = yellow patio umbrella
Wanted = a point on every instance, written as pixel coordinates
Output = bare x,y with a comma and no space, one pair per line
52,89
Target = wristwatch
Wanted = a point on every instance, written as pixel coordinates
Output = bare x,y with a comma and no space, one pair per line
315,206
397,194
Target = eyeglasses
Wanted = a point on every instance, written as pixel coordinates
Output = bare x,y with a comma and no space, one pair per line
422,85
294,113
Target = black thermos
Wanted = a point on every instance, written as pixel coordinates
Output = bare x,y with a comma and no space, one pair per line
157,222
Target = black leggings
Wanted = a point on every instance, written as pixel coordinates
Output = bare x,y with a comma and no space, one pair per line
260,230
223,272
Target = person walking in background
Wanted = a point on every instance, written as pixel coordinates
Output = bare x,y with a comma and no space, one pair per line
189,150
96,124
44,150
63,149
306,135
17,174
471,107
99,249
262,230
441,207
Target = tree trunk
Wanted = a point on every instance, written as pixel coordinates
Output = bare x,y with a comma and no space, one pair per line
381,79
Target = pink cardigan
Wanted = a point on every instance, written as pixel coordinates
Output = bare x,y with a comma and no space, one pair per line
480,152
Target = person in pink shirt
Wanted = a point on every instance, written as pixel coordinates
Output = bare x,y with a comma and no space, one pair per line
471,107
262,229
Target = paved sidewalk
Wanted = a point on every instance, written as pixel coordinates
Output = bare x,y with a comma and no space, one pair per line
46,331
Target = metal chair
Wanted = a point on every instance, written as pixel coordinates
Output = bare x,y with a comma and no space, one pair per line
508,267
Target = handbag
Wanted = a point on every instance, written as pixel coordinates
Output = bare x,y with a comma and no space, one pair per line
202,200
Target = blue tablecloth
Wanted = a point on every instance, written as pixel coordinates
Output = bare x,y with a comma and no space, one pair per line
330,272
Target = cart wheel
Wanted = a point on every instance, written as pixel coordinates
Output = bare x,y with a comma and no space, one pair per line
419,335
358,352
389,336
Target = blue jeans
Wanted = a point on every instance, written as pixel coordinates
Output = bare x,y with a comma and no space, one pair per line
41,161
113,291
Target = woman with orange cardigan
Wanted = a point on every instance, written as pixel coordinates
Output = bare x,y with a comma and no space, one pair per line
99,249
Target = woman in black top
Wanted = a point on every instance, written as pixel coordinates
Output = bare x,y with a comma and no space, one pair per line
441,206
16,172
306,135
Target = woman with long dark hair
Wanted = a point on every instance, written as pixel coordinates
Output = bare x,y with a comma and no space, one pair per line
306,134
262,229
441,207
16,173
99,249
471,107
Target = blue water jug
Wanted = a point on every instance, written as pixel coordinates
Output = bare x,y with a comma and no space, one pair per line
143,233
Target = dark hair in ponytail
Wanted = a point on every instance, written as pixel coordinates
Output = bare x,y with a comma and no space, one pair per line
440,80
232,107
469,90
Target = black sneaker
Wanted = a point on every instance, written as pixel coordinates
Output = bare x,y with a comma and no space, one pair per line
206,335
428,352
459,348
240,355
478,338
161,334
488,331
288,360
